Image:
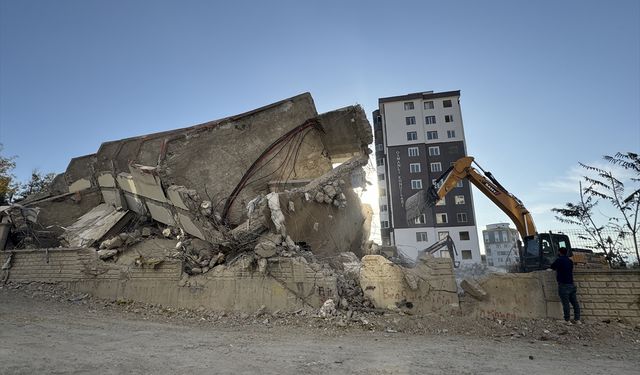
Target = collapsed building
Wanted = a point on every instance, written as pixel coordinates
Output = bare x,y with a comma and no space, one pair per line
246,190
257,210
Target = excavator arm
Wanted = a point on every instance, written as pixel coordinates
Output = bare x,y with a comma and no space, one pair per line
489,186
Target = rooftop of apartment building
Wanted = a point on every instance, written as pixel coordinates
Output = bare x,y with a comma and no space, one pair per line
419,95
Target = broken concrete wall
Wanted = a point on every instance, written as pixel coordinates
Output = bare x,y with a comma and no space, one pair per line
428,287
325,227
612,294
346,132
287,283
59,212
510,295
80,173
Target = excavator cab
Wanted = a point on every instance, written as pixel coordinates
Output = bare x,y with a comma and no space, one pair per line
542,249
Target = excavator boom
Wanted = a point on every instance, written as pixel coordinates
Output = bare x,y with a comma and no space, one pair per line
489,186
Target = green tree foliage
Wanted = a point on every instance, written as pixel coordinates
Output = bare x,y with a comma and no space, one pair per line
8,185
603,186
38,183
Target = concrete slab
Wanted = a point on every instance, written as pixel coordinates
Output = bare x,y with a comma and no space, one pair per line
147,182
160,213
79,185
189,226
106,180
94,225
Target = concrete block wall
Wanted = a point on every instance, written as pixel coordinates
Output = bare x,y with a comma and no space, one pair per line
288,284
609,294
603,294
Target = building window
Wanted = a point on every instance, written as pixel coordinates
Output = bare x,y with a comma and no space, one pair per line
383,192
416,184
464,236
434,151
379,147
441,202
441,218
413,151
412,136
466,254
504,237
421,237
384,224
432,135
422,219
383,208
409,106
428,105
459,184
445,254
381,177
436,167
442,235
453,149
459,199
445,103
486,237
411,120
462,217
380,161
448,118
414,168
430,120
451,133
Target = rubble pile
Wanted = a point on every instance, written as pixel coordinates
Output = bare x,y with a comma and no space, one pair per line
244,190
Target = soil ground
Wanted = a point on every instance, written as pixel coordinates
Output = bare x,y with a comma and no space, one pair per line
46,330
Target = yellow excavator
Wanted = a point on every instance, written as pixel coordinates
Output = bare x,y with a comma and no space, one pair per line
540,249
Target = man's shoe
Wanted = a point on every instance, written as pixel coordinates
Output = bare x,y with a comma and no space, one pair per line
567,322
577,322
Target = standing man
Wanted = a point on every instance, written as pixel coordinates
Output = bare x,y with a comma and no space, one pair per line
566,289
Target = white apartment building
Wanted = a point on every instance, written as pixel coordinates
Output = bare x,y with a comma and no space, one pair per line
500,244
418,137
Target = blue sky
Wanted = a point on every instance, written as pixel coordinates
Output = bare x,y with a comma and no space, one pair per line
545,84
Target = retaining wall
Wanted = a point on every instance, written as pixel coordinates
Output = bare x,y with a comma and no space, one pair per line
287,284
603,294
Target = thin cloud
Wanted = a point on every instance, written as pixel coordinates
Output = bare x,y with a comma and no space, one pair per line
570,182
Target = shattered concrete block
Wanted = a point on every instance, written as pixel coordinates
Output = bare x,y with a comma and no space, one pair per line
474,289
266,249
107,254
277,217
112,243
328,309
206,208
262,266
218,259
329,190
